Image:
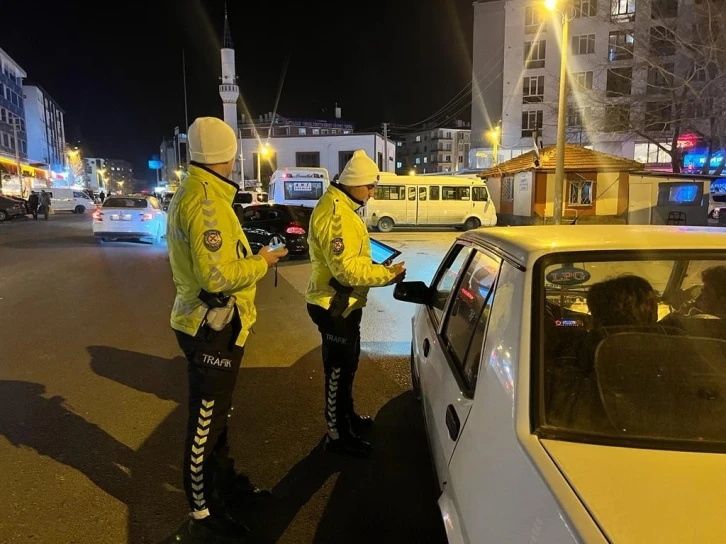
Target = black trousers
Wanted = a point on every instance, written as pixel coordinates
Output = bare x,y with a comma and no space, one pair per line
214,363
341,352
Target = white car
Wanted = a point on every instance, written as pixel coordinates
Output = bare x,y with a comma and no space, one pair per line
557,411
132,217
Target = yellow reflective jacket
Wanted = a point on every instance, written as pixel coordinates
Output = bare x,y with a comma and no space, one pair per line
340,247
208,250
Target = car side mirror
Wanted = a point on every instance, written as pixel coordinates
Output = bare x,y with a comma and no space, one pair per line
412,291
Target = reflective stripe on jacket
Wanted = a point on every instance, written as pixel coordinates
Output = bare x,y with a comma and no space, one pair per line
208,250
340,247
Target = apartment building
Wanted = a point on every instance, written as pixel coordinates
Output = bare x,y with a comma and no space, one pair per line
436,149
632,77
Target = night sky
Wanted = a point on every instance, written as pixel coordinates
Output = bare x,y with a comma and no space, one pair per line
116,67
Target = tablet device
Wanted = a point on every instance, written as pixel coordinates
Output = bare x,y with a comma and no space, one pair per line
381,253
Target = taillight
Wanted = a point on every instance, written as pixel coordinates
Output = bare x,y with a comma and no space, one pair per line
295,228
147,217
97,215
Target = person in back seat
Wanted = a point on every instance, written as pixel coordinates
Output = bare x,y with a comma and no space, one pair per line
627,300
711,303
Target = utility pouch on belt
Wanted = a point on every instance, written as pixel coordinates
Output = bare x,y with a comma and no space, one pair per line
339,302
220,312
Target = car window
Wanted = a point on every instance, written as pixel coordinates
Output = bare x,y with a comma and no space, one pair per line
465,327
480,194
252,214
120,202
78,194
634,349
444,284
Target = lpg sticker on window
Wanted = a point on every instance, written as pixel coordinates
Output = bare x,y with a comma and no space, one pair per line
302,187
568,275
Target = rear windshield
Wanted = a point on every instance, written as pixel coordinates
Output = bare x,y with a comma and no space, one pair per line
118,202
635,349
262,197
302,214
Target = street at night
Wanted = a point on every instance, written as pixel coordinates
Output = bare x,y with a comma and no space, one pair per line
93,386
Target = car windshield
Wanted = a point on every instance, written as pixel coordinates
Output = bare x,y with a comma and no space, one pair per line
634,350
262,197
117,202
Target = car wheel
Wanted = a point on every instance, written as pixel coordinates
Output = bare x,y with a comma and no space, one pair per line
79,209
3,215
100,240
385,224
472,223
415,382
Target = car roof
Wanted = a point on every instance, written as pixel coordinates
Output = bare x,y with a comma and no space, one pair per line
523,244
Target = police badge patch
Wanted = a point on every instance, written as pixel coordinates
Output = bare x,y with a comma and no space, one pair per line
337,246
212,240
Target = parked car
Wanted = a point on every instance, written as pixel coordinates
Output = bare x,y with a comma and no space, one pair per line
132,217
717,210
546,425
10,208
290,223
250,198
23,201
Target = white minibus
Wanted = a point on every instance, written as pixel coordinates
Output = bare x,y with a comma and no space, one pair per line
298,186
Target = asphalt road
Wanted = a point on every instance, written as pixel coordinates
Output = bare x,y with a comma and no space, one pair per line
92,401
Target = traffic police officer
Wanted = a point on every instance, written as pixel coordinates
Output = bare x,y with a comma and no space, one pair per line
215,274
342,273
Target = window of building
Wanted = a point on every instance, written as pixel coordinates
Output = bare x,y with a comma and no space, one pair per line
380,161
580,192
534,54
418,138
652,153
660,79
698,109
309,159
658,116
663,9
532,19
399,164
617,118
620,45
577,117
620,82
533,89
531,121
3,115
662,41
316,131
302,131
343,158
426,160
507,189
418,160
583,80
584,44
622,10
585,8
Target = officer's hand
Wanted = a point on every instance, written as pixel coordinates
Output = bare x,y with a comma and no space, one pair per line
272,256
399,269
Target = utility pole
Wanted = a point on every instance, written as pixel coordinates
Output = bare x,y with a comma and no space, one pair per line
385,147
186,111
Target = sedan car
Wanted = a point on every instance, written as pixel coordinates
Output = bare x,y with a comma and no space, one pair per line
10,208
573,383
132,217
264,222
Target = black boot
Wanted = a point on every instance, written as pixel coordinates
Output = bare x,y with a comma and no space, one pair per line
359,423
349,446
217,530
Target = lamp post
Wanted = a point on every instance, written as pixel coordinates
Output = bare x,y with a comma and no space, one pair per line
262,151
562,7
494,136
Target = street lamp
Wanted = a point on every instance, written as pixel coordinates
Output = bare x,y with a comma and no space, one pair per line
263,151
562,7
494,136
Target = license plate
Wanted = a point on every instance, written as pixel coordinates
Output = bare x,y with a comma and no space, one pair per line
121,217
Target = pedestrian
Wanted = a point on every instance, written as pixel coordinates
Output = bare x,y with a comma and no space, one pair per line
33,203
215,274
102,196
342,273
45,203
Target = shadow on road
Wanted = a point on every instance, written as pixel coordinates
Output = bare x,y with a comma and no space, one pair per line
388,498
54,242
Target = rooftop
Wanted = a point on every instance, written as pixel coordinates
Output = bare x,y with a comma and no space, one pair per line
577,159
524,244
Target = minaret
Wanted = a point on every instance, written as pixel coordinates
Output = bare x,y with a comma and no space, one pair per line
229,91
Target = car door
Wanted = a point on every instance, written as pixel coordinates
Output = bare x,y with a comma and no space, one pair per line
450,362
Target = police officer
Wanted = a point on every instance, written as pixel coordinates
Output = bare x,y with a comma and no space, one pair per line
215,274
342,273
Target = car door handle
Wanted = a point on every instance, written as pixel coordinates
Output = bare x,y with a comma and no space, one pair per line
452,422
426,347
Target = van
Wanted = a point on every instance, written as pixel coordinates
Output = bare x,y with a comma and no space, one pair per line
63,199
298,186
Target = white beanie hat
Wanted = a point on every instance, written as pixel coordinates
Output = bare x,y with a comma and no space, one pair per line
211,141
360,170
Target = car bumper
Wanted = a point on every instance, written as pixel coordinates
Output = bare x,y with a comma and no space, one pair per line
122,235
